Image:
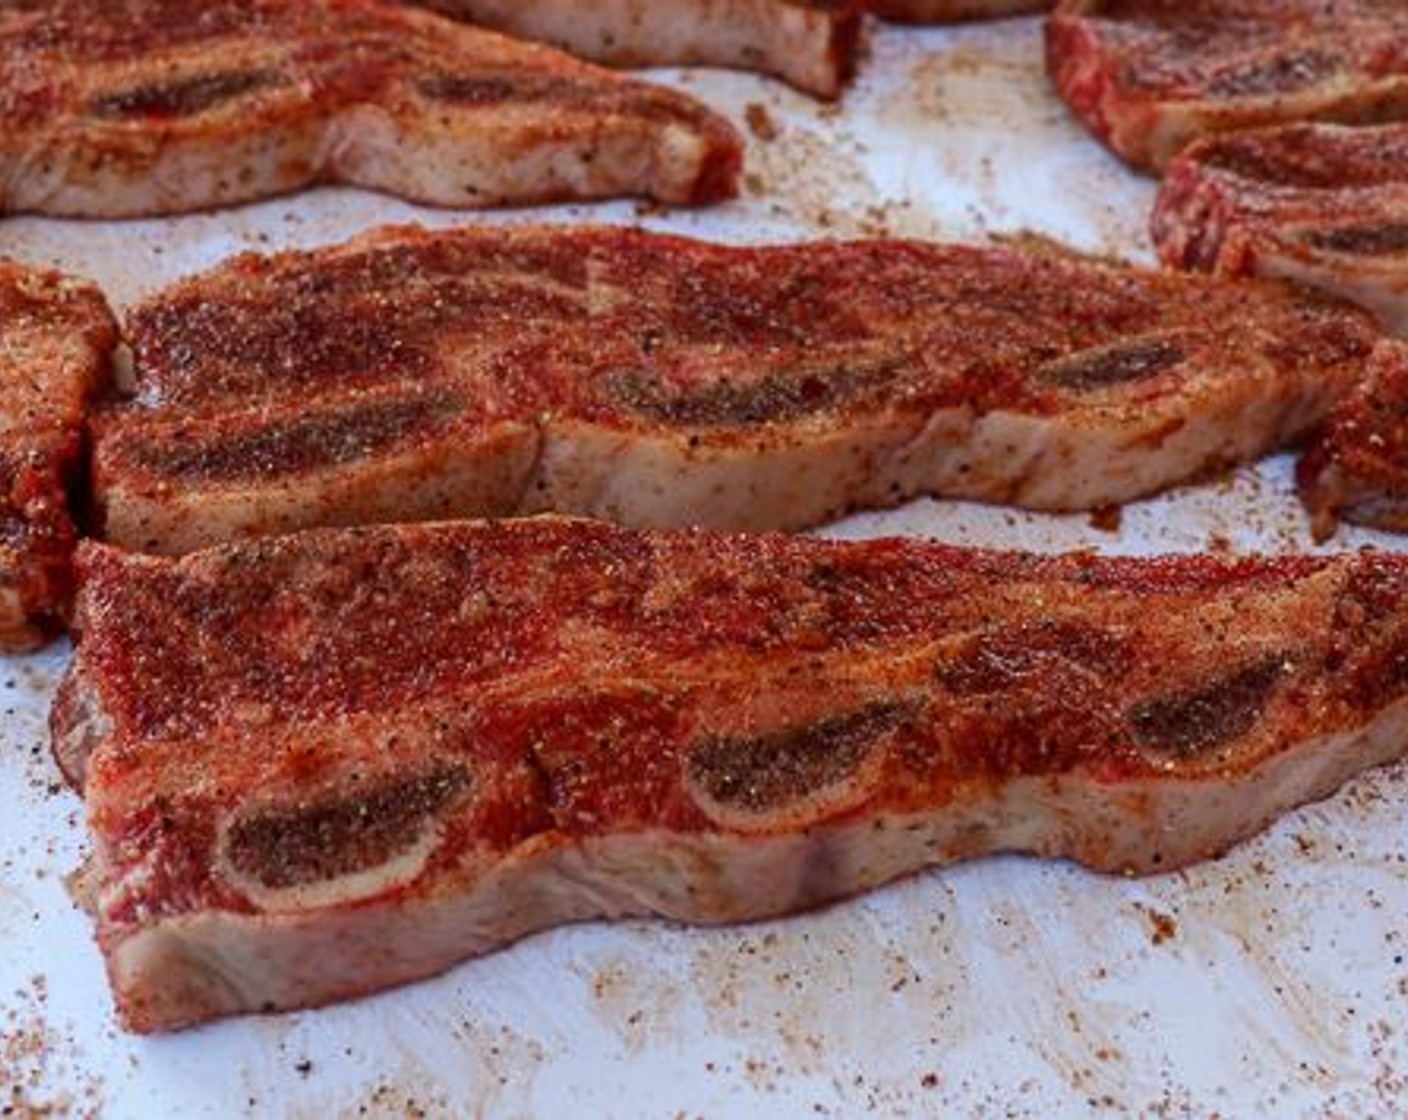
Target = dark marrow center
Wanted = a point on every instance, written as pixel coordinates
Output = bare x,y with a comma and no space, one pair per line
343,834
302,443
1112,365
1306,157
1187,724
774,398
182,97
488,90
1365,241
757,773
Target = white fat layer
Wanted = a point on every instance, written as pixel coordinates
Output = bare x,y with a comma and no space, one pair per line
1074,461
454,476
785,39
78,722
1376,283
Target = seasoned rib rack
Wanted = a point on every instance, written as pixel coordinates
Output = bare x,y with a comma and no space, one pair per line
138,107
657,381
324,764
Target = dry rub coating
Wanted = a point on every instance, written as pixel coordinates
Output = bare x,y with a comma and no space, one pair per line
56,341
657,381
324,764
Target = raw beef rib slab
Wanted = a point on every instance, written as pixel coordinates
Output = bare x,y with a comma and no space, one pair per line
1324,205
952,11
56,342
810,43
657,381
118,108
1150,76
324,764
1356,469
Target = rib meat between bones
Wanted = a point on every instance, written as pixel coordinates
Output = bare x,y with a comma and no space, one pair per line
137,107
657,381
324,764
1151,76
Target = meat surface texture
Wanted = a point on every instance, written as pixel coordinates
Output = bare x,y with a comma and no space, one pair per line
660,382
952,11
56,342
138,107
1151,76
322,764
809,44
1356,468
1324,205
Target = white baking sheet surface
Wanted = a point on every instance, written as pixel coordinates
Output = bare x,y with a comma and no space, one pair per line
1270,983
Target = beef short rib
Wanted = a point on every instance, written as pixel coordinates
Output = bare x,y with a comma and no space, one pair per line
657,381
118,108
323,764
1356,468
810,43
1151,76
1324,205
56,342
